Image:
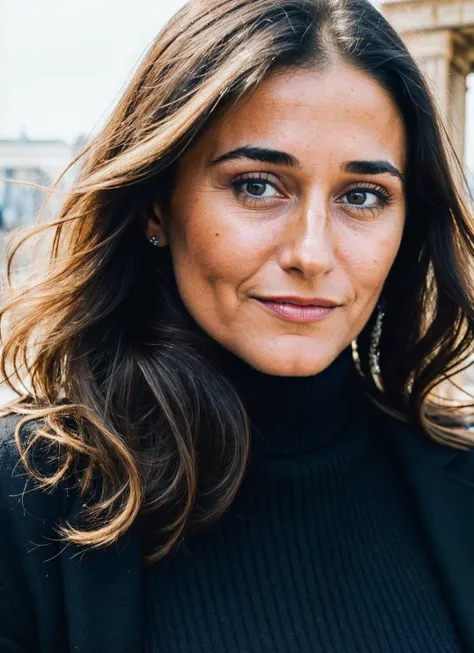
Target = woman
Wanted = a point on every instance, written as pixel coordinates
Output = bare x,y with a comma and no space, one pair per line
233,437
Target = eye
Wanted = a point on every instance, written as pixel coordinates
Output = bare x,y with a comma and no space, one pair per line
255,187
366,198
360,197
259,189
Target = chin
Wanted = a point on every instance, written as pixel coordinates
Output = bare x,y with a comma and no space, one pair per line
287,364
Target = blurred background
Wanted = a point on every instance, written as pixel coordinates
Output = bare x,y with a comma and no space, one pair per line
63,66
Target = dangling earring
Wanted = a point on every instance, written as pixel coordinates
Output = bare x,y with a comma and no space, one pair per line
374,348
154,241
374,351
356,358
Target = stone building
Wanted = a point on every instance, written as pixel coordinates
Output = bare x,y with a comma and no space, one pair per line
440,35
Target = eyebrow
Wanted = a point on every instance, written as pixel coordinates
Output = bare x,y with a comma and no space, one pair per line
372,168
261,154
276,157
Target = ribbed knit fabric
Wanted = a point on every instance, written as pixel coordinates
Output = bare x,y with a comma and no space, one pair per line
320,550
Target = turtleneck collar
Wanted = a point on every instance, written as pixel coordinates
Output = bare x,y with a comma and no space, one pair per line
295,415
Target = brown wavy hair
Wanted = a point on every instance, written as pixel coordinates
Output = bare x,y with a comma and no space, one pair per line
127,393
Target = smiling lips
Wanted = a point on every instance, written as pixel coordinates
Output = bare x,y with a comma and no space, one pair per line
299,309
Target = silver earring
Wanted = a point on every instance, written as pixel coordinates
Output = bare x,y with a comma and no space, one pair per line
374,351
356,358
154,241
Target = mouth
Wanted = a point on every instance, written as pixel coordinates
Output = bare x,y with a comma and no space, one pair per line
299,309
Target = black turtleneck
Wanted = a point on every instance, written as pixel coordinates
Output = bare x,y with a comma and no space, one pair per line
320,550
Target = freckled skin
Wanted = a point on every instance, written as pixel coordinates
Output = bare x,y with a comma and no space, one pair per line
306,237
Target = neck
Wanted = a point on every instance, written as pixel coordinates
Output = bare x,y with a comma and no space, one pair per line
295,415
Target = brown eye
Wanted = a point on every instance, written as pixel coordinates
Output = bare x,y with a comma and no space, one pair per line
256,188
357,197
253,188
366,199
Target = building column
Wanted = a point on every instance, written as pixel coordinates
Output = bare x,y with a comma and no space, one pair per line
440,35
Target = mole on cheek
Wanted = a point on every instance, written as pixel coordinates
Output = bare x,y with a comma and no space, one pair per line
217,235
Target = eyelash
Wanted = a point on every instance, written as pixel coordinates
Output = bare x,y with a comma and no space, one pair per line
383,195
238,183
380,192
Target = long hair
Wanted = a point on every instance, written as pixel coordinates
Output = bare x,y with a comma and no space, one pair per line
125,389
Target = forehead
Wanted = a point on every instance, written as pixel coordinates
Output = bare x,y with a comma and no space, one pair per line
342,112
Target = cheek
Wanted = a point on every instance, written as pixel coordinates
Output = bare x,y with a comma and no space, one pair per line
372,258
212,250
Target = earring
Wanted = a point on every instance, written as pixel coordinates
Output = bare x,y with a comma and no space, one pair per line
374,348
356,358
154,241
374,351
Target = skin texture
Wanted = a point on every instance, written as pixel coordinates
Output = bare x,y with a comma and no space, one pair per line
290,230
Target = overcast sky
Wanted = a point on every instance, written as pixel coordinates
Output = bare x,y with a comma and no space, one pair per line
64,63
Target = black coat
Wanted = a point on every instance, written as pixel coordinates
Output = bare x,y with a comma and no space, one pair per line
56,599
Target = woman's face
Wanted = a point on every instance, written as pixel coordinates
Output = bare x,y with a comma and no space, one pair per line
287,216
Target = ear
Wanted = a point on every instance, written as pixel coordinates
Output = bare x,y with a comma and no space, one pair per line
155,226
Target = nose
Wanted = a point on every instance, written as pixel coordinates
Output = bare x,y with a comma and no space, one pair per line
307,242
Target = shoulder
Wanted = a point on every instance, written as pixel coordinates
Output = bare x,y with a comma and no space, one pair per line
10,459
9,453
30,549
8,427
21,497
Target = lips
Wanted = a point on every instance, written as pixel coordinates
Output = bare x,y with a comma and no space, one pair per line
301,301
299,309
